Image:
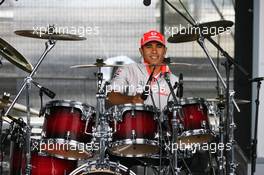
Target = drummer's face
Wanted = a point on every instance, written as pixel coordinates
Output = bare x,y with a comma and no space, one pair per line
153,52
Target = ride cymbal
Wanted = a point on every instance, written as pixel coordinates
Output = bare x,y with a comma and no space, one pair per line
207,29
49,35
13,56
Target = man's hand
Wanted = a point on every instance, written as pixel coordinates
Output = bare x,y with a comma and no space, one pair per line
116,98
137,99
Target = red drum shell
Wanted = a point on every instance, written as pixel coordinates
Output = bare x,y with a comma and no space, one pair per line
41,163
68,124
135,130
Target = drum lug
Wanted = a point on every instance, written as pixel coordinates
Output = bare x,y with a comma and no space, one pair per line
47,111
117,114
43,134
115,126
156,135
203,124
86,127
133,135
72,110
68,135
181,127
132,113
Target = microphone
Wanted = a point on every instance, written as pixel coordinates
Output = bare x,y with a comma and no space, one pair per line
180,88
147,2
46,91
146,90
18,121
256,79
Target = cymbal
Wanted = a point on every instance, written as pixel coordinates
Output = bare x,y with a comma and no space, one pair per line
48,35
207,29
95,65
5,103
171,64
13,56
118,65
238,101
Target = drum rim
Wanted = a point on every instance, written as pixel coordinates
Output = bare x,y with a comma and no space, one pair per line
119,110
195,132
190,100
136,106
86,109
85,167
70,142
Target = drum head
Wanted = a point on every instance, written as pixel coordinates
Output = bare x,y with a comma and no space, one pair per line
134,150
197,136
105,168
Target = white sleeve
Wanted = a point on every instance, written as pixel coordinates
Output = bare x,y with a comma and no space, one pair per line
119,82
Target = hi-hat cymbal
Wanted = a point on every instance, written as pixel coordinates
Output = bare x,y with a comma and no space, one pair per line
5,103
12,55
171,64
95,65
49,35
238,101
207,29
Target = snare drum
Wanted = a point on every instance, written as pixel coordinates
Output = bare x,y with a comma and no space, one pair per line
135,130
68,125
41,164
193,122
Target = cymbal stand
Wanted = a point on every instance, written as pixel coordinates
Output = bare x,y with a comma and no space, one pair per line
230,125
103,131
220,157
231,166
1,145
254,140
27,84
176,109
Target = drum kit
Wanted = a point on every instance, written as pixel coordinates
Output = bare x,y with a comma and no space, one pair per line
104,139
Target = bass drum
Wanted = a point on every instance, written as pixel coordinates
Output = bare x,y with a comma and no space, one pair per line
107,167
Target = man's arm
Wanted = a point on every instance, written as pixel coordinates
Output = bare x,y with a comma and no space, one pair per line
117,98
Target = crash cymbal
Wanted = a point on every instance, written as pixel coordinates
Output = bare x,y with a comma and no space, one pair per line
12,55
5,103
238,101
207,29
49,35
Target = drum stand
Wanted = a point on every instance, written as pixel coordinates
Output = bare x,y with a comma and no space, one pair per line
27,84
